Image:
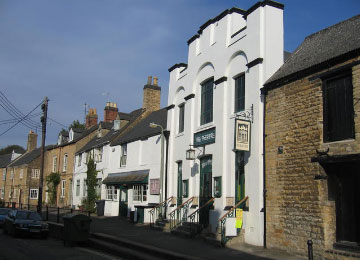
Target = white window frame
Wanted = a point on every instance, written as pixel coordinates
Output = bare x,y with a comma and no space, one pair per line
11,174
77,191
111,193
21,175
123,157
35,173
140,193
14,194
4,175
63,185
32,193
65,162
85,188
54,167
79,159
2,193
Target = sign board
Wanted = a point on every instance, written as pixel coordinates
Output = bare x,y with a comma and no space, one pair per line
239,218
204,137
230,228
242,135
154,186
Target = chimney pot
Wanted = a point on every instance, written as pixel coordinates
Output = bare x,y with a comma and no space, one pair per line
155,81
149,80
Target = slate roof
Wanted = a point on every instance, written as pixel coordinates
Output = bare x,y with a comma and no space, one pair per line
98,142
64,133
124,116
28,157
320,48
5,160
142,129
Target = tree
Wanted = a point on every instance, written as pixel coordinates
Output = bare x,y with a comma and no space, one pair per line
52,181
91,185
8,149
76,124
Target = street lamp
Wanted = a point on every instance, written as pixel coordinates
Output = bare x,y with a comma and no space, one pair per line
190,153
153,125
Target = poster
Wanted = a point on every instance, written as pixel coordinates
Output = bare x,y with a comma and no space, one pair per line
239,218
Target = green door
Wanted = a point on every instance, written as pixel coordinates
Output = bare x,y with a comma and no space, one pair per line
123,206
205,188
179,185
239,177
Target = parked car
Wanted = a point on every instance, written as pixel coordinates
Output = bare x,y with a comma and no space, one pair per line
3,214
25,222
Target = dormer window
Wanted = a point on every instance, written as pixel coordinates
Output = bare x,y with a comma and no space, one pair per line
99,133
71,135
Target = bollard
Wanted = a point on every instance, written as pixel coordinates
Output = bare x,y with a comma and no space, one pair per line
58,215
310,249
47,213
20,205
71,210
89,213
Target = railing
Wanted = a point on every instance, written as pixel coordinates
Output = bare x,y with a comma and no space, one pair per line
54,214
178,215
230,213
154,212
203,211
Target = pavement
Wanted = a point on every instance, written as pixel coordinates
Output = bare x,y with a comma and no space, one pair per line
121,229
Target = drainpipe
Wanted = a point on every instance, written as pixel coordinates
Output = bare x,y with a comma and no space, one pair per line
264,180
167,134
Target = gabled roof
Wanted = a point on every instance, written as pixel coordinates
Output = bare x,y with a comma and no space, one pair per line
142,129
320,50
98,142
28,157
5,160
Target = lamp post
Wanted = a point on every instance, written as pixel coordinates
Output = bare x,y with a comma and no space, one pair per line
153,125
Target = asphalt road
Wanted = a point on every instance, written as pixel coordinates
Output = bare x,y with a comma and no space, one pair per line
27,248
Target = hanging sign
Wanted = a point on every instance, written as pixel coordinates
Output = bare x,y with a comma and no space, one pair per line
242,135
239,218
204,137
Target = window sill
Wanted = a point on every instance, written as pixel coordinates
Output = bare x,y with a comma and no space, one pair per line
179,135
339,142
205,126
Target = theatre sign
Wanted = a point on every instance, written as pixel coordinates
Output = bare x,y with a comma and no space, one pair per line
204,137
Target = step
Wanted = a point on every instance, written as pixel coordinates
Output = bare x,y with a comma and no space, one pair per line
120,251
180,233
148,250
184,228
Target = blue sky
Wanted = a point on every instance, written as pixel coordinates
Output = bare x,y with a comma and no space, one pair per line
93,51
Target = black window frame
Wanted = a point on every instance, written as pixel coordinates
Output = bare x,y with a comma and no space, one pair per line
207,101
239,101
343,128
181,118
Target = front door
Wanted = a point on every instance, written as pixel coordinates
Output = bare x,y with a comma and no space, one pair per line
239,177
205,187
179,186
123,206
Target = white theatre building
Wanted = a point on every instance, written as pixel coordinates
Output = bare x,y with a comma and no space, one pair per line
216,92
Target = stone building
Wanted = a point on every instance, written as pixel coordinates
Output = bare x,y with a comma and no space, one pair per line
21,180
216,111
312,146
60,159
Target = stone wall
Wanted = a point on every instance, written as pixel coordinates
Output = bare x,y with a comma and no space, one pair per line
297,206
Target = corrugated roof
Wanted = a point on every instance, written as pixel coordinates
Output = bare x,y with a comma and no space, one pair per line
320,48
142,129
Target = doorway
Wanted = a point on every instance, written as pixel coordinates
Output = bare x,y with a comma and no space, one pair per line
123,205
179,184
239,176
344,183
205,188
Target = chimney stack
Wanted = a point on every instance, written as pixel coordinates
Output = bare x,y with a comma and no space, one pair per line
32,141
152,94
91,118
110,111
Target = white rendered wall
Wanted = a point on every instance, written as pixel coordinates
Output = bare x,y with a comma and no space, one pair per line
216,54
